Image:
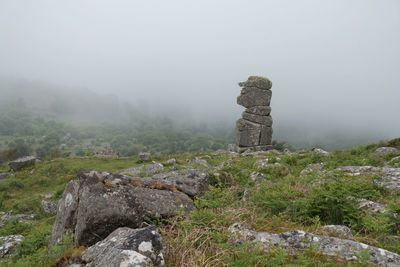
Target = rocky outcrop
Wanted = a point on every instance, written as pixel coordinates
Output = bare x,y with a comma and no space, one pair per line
8,244
254,129
387,177
298,241
127,247
145,169
192,182
383,151
21,162
96,203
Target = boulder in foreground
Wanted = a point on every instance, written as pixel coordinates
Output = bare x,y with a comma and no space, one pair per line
127,247
94,204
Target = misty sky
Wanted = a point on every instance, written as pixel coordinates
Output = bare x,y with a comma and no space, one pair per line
332,62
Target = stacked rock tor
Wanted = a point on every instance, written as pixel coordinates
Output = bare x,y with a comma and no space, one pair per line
254,129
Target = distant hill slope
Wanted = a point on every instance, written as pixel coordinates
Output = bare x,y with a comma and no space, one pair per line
52,101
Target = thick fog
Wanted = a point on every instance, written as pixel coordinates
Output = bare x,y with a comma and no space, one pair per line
334,64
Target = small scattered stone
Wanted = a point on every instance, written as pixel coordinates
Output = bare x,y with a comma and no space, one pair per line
320,151
201,162
47,196
49,206
338,230
267,163
312,168
371,207
257,177
171,161
224,164
8,244
231,148
144,156
246,194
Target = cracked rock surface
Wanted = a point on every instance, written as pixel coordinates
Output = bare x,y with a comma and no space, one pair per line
297,241
127,247
254,129
96,203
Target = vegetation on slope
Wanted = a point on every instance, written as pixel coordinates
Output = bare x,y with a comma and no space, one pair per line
282,202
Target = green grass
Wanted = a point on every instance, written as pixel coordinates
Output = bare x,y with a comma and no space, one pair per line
282,202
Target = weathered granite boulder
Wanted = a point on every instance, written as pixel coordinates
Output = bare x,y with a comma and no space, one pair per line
264,120
383,151
96,203
298,241
254,129
145,169
21,162
250,135
49,206
259,110
192,182
252,96
8,244
127,247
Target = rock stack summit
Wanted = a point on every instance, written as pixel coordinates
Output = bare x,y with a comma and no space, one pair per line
254,129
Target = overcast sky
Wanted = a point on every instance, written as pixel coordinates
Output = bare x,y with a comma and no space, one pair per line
331,61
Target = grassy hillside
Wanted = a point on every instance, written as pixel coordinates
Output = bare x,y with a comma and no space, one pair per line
282,201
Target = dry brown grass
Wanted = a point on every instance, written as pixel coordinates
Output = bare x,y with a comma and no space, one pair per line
188,244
